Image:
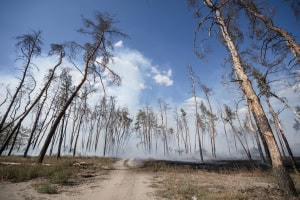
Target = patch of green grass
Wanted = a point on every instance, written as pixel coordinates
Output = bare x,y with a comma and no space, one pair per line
54,172
46,188
60,175
23,172
57,171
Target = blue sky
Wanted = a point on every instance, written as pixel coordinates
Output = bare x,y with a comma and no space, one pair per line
161,36
162,31
152,62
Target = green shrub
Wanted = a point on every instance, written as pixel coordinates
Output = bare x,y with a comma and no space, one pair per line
19,173
60,175
46,188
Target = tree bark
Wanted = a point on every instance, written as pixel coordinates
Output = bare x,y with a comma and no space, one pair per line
256,134
283,178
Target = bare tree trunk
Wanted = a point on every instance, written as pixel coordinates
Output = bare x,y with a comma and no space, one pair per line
77,135
177,131
46,86
44,123
255,133
33,42
186,133
59,117
211,118
197,116
37,118
225,131
243,133
90,58
283,178
107,128
61,137
14,140
289,40
166,127
6,97
282,135
286,104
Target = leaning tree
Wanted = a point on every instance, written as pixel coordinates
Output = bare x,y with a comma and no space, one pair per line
97,55
222,15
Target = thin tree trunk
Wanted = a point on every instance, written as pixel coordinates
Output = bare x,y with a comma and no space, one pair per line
255,133
46,86
14,140
282,135
69,101
107,128
286,104
59,117
225,132
61,136
37,118
290,41
4,117
77,135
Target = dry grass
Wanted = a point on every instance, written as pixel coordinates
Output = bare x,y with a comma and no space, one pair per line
184,182
65,171
46,188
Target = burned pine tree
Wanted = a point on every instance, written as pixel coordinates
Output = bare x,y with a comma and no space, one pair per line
221,14
96,58
29,47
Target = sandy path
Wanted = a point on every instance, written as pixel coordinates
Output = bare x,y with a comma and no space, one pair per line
123,183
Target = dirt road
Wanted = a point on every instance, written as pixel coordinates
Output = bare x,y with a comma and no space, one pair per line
123,182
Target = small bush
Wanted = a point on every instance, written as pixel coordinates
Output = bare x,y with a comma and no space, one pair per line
187,190
60,176
19,173
46,188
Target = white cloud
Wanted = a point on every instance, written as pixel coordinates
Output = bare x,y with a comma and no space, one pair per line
169,73
45,64
189,104
142,86
132,66
118,44
154,70
243,111
162,78
126,65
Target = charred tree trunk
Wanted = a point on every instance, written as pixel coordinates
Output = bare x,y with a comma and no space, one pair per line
46,86
61,137
60,116
31,44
